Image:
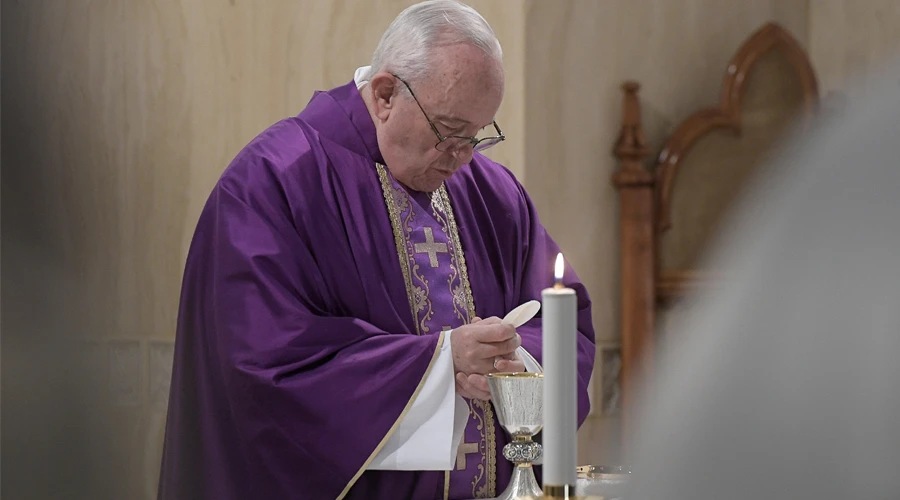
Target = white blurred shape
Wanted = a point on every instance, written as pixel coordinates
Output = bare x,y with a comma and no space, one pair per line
785,382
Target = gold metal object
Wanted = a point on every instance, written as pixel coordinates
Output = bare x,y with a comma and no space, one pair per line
595,482
544,497
606,471
559,498
608,481
559,491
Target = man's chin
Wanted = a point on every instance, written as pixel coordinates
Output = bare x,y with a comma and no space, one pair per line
429,184
426,188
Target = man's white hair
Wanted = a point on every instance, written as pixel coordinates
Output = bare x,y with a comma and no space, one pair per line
406,47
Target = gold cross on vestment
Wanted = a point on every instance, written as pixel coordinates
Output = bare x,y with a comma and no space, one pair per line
430,247
464,449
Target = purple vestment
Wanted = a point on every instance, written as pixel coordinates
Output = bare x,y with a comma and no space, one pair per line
312,306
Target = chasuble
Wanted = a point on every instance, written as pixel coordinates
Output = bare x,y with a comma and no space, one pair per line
317,307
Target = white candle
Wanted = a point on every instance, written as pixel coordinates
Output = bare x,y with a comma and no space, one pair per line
560,328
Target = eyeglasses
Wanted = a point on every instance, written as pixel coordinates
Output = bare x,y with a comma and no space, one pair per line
453,143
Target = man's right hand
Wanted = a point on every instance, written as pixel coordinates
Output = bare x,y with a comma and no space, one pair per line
476,345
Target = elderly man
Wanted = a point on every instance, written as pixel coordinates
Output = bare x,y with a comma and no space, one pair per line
329,342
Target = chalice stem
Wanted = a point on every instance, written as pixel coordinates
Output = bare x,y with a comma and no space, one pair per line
521,484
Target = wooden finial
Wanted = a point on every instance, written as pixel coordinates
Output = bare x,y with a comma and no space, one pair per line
631,147
632,143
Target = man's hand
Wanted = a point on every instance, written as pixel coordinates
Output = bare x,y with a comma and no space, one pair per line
482,347
476,345
473,386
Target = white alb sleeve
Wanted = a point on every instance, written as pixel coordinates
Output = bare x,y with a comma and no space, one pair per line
429,434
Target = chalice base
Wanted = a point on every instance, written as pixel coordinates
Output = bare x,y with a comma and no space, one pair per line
579,497
521,484
559,493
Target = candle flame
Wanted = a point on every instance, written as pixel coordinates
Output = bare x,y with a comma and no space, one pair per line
560,267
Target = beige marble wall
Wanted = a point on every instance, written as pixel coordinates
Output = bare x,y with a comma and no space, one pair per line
851,40
119,116
578,54
118,119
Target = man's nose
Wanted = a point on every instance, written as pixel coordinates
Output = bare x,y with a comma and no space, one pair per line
464,153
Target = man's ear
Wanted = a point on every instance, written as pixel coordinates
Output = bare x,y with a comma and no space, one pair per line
384,93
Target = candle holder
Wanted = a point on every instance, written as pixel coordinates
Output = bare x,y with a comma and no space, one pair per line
560,493
608,481
519,402
567,497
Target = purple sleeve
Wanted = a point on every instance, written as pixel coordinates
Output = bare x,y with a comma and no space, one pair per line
309,392
537,269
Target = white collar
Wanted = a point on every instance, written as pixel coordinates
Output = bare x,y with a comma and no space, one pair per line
360,74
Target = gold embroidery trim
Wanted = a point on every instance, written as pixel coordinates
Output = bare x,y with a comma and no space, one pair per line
390,432
399,240
482,466
489,431
491,451
444,201
422,293
454,283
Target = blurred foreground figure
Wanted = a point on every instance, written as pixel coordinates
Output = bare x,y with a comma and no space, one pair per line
785,382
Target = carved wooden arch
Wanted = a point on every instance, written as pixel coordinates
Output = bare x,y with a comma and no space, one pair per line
645,199
727,114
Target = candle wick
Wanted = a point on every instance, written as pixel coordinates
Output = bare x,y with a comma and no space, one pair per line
558,284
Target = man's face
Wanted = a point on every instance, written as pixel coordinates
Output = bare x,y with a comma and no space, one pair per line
460,97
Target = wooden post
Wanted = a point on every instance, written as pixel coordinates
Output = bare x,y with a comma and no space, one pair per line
636,254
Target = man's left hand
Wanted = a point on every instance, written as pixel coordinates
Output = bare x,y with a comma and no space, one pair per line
475,386
507,365
472,386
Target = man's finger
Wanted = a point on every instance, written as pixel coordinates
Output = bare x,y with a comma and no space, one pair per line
495,333
478,390
479,383
503,349
506,365
462,391
482,395
462,383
